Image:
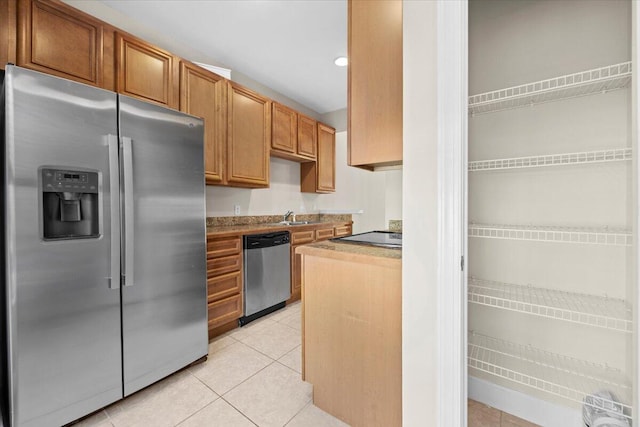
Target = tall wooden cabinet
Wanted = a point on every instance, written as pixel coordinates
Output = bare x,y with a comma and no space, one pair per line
57,39
248,137
203,93
375,83
320,176
146,72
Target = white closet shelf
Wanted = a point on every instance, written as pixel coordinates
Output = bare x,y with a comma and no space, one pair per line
590,310
587,236
586,157
558,375
564,87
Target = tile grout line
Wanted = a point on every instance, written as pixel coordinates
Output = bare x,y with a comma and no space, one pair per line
199,410
221,396
310,402
239,411
246,379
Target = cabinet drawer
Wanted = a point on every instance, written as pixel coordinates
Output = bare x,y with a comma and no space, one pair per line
343,230
225,311
223,286
300,237
227,264
223,247
324,234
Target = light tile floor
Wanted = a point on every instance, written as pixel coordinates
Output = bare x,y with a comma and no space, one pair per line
251,378
481,415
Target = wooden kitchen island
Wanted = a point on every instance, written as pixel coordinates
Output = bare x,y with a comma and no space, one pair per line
352,331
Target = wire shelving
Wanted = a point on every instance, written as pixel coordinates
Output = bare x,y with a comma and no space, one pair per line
583,83
586,157
576,235
591,310
558,375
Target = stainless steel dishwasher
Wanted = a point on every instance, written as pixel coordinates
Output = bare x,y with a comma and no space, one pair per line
267,274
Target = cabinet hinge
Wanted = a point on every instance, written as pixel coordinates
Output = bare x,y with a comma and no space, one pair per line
462,263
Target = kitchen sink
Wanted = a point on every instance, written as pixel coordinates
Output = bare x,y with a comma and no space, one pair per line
298,222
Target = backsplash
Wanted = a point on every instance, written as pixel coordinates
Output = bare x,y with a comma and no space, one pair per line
217,221
395,225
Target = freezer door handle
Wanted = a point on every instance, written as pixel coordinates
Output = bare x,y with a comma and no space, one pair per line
127,173
114,192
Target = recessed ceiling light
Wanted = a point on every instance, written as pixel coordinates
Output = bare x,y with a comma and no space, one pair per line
341,61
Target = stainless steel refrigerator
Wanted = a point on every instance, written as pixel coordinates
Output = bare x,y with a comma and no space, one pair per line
104,254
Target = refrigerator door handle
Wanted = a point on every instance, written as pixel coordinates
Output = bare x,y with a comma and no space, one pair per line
127,172
114,191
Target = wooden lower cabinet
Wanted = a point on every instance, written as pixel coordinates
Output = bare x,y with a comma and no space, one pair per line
225,311
342,230
225,285
299,238
352,335
324,234
224,282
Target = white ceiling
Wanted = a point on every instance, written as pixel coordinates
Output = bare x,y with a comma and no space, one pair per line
288,46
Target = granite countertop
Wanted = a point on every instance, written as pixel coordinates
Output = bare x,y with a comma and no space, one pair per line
351,248
223,230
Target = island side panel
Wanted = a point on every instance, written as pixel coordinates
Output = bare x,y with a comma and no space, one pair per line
352,352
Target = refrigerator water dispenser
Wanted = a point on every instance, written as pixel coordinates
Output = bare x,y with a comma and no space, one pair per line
69,204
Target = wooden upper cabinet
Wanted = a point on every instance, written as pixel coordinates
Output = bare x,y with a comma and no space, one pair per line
307,137
202,94
375,83
8,33
248,137
284,129
294,135
146,72
320,176
326,159
57,39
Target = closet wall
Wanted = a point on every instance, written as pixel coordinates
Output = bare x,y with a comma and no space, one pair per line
550,247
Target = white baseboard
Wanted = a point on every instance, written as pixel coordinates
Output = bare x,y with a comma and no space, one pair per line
522,405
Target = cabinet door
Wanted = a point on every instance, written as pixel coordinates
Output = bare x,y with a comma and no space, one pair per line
284,132
296,275
307,137
320,176
248,137
201,94
146,72
56,39
8,25
326,173
375,82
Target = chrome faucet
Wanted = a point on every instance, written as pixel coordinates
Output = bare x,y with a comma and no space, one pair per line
287,215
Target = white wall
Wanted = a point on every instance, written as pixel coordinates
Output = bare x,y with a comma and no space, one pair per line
393,195
378,194
420,216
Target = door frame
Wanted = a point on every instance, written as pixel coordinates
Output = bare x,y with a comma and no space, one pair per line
635,131
452,46
452,122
